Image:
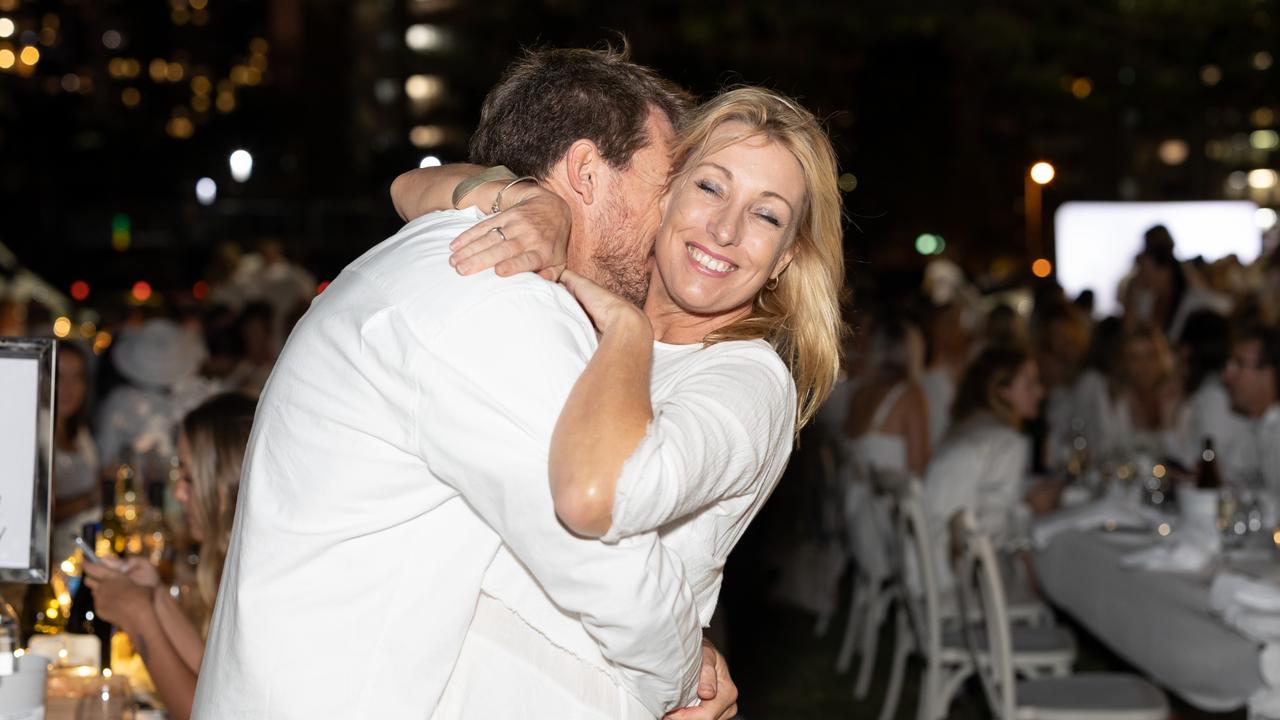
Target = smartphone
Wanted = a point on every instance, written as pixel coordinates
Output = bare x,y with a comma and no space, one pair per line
87,549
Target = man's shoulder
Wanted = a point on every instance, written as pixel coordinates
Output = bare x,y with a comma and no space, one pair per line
411,271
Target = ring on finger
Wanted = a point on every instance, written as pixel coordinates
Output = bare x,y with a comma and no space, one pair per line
500,233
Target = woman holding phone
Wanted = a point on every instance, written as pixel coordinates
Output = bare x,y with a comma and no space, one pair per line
129,594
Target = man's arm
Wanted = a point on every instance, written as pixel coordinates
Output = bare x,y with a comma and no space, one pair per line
497,378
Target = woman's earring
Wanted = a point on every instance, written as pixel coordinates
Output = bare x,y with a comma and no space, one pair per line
772,284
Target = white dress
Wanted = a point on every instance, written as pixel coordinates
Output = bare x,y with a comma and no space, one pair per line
940,390
724,417
867,517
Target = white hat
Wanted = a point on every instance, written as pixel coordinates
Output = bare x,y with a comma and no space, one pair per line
159,353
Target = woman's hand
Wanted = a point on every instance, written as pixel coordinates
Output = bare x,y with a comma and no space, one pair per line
607,311
534,236
140,571
117,598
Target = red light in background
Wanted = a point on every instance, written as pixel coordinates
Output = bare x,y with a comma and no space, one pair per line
200,290
79,290
141,291
320,288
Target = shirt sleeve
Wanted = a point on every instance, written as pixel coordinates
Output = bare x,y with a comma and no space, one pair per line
1001,510
717,436
499,374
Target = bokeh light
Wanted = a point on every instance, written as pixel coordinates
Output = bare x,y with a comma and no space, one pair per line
1042,173
241,165
206,191
1041,268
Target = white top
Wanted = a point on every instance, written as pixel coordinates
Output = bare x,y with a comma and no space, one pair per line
402,435
1109,425
876,448
724,416
1208,414
1258,452
940,390
867,517
979,466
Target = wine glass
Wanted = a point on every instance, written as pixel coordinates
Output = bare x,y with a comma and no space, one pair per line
107,698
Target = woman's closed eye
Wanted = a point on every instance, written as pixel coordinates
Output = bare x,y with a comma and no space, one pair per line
709,187
769,218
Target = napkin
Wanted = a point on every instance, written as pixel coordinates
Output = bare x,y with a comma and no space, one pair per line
1250,606
1265,703
1111,510
1175,556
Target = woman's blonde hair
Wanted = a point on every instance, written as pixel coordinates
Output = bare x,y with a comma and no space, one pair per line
800,316
217,432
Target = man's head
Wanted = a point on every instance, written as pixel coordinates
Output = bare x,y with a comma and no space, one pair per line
1252,370
595,129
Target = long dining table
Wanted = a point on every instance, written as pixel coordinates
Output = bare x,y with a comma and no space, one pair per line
1158,621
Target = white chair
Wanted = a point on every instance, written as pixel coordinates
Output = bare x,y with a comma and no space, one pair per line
874,586
1088,696
922,622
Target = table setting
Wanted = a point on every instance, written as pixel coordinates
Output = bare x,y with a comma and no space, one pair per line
1178,573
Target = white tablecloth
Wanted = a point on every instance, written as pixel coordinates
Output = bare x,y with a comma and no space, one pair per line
1157,621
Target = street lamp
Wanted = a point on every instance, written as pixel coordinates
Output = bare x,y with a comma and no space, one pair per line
1037,177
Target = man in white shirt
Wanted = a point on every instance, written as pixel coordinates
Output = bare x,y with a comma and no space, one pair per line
402,437
1251,377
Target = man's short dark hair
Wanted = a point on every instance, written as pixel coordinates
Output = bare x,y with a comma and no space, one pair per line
549,99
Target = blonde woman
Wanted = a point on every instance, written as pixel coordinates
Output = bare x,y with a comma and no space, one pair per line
684,418
129,594
1136,410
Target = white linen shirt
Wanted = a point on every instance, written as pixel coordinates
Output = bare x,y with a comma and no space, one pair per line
402,436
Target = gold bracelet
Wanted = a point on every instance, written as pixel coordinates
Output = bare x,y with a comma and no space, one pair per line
497,200
493,174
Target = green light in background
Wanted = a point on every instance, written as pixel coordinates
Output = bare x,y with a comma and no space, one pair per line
121,232
930,244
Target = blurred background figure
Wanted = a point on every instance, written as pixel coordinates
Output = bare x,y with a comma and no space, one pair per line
983,461
1207,415
158,364
887,425
130,593
77,493
1135,410
950,334
1162,292
1252,378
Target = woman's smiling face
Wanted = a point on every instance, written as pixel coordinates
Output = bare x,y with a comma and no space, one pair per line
728,226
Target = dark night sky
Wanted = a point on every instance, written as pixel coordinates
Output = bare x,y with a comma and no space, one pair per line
937,107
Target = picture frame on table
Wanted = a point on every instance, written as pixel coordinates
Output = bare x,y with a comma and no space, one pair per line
28,369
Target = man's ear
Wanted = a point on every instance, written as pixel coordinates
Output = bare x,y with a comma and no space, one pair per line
582,166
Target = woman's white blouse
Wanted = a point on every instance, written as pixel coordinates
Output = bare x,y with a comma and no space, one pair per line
724,419
980,466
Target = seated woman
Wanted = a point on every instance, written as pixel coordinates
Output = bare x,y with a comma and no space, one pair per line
888,422
129,594
1136,412
77,496
683,419
984,458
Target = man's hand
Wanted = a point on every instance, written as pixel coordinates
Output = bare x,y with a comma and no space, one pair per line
534,237
716,690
